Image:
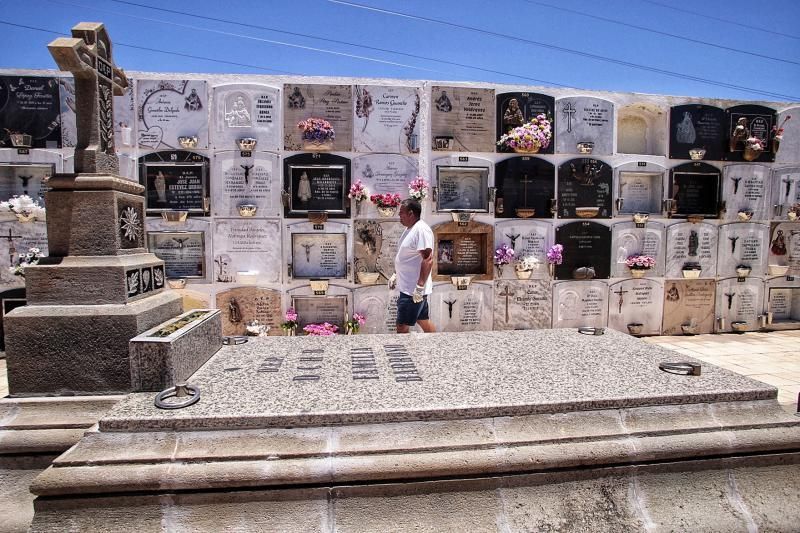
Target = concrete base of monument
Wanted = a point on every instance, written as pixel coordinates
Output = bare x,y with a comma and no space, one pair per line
536,430
78,349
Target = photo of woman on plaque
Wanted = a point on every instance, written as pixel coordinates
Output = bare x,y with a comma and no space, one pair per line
512,116
445,252
160,185
304,188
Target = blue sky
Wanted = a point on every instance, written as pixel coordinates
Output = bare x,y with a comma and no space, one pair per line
445,51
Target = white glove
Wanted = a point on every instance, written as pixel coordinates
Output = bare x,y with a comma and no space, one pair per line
418,295
392,282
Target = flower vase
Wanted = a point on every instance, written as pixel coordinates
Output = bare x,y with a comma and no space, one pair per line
533,150
776,144
386,211
499,270
25,217
523,274
349,331
290,332
552,269
358,207
750,153
638,272
317,146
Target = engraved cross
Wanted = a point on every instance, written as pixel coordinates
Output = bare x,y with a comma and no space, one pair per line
569,113
11,249
507,294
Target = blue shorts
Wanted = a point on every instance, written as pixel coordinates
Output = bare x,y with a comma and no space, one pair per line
408,313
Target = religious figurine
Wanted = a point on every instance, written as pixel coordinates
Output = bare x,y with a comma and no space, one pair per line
234,313
512,117
685,133
193,102
672,294
779,244
739,133
160,184
443,103
694,242
304,188
296,100
363,105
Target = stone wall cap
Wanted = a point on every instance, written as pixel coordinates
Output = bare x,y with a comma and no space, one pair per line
93,182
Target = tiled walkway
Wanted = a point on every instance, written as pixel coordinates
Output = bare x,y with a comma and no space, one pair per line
773,358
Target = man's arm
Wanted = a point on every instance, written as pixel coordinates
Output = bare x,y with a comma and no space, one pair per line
426,266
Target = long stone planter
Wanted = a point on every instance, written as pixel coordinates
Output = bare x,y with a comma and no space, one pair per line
173,350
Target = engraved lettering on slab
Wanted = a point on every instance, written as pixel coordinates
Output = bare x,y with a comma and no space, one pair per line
30,105
627,240
522,305
246,246
636,301
742,244
17,239
363,364
251,181
462,250
402,363
697,126
183,252
386,119
786,192
318,182
584,119
174,181
745,189
739,301
333,103
379,306
689,306
454,310
319,255
584,189
641,188
527,239
242,305
691,243
169,109
320,309
246,110
383,173
464,118
587,246
580,303
375,246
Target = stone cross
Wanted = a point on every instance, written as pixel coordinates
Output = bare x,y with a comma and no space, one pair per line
87,55
506,293
569,112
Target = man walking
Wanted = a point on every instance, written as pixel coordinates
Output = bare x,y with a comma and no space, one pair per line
412,267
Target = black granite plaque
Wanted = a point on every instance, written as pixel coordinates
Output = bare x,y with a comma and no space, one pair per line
694,188
758,121
524,183
30,105
584,189
587,250
514,109
697,126
316,183
175,181
462,189
183,252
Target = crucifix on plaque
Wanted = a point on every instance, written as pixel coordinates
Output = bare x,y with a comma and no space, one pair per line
507,294
87,55
11,249
569,112
621,300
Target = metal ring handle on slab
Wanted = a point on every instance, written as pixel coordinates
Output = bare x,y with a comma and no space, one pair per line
235,340
591,331
180,390
684,368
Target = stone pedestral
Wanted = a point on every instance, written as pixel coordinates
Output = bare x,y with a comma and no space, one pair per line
98,289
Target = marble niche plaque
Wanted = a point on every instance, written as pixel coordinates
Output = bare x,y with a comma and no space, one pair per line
175,181
580,303
784,246
746,189
375,245
462,188
788,150
697,126
169,109
584,189
245,181
689,306
694,190
320,309
526,238
183,252
379,306
627,240
16,238
522,305
18,179
739,301
636,302
467,310
742,243
463,251
584,119
587,250
242,305
691,245
782,303
758,121
319,255
69,120
333,103
246,110
381,174
524,183
242,245
786,192
386,119
316,183
30,105
462,119
515,109
639,188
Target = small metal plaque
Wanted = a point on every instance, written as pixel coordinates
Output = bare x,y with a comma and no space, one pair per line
246,153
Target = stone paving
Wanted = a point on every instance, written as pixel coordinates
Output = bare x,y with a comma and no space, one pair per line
773,358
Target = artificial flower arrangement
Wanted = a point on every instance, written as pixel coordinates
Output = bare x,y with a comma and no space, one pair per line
777,132
290,321
528,263
358,192
532,136
418,188
30,258
354,324
321,330
385,200
503,255
25,207
555,254
316,130
640,262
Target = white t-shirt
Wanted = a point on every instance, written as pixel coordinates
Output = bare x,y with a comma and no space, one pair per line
408,260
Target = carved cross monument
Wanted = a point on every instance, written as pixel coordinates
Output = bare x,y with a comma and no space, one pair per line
87,55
